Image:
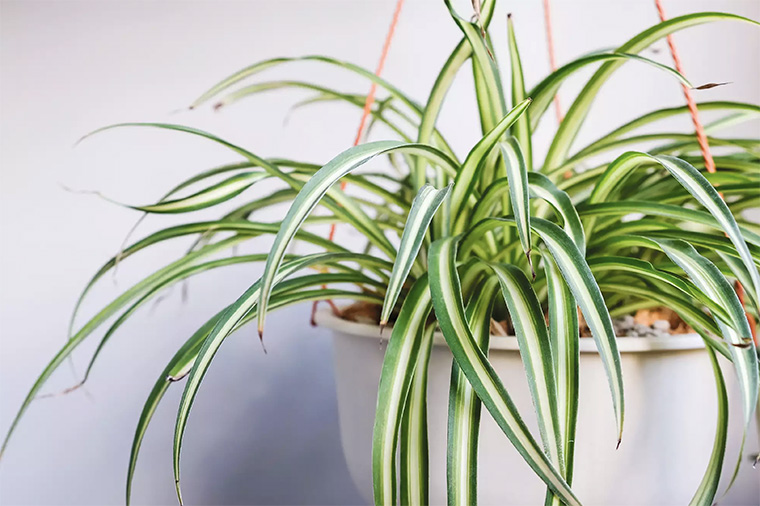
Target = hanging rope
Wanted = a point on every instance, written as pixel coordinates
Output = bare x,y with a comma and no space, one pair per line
552,59
698,128
704,146
373,89
368,102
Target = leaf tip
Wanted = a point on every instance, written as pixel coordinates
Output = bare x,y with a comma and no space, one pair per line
261,340
617,446
179,491
710,85
530,264
382,326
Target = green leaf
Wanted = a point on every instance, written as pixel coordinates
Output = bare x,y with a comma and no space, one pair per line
464,407
540,187
413,434
488,83
578,276
232,316
661,114
708,487
680,213
517,175
208,197
467,175
449,310
695,183
458,57
564,337
644,269
543,93
177,367
521,129
535,350
709,279
424,206
577,112
395,382
315,189
121,301
337,202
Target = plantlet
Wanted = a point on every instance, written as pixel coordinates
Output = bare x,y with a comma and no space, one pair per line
453,243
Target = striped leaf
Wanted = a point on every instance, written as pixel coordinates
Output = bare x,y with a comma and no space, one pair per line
464,407
208,197
467,175
564,337
695,184
461,53
578,276
536,352
517,175
449,310
543,93
487,80
316,188
395,382
413,436
578,111
521,129
231,317
539,187
423,209
709,279
708,487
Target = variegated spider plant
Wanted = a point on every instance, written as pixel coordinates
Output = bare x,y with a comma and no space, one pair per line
448,234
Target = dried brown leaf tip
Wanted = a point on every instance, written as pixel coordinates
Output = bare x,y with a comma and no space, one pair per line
711,85
476,18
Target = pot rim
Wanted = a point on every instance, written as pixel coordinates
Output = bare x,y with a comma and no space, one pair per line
674,342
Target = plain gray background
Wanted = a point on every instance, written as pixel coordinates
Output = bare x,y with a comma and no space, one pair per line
264,428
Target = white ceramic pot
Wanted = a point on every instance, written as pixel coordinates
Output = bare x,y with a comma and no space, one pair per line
669,422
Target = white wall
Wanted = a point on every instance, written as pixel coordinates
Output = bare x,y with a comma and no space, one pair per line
263,429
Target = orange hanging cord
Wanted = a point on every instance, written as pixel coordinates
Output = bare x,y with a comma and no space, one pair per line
701,139
370,100
552,58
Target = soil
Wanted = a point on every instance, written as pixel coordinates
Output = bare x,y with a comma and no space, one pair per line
653,319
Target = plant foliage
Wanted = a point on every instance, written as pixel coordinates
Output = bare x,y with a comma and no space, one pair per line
452,243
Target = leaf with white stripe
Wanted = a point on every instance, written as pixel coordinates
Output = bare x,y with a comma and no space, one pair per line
535,350
521,129
207,197
517,175
695,183
464,407
395,382
709,279
579,109
578,276
413,434
229,320
540,187
449,310
708,487
315,189
467,175
423,209
565,340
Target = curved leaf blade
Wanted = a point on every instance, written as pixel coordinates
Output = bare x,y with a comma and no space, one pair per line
424,207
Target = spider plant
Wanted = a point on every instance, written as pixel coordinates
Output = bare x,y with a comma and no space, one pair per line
595,227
